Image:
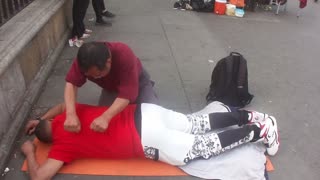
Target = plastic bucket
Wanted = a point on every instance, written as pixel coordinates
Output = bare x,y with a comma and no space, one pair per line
220,7
239,12
230,9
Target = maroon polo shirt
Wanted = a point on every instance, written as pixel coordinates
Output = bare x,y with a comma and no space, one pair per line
123,76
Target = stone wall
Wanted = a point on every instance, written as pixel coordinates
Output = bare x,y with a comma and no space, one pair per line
29,45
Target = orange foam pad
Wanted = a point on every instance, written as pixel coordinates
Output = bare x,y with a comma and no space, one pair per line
269,165
128,167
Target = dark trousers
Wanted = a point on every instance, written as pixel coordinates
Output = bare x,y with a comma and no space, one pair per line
238,117
146,92
98,7
79,10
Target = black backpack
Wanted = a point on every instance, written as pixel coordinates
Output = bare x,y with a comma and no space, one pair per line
202,5
229,82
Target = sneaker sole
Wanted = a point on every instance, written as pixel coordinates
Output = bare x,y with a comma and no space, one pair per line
71,43
271,151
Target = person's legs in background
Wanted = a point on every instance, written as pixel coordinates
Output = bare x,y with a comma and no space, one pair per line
76,30
98,6
78,13
82,13
105,12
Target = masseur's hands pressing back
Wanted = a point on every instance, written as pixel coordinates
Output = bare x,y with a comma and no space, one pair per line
72,122
100,124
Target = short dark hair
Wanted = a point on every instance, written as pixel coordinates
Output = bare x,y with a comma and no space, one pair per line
42,132
93,54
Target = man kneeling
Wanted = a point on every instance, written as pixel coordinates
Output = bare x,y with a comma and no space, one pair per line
149,131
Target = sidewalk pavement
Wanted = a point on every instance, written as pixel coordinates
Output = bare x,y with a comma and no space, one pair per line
180,49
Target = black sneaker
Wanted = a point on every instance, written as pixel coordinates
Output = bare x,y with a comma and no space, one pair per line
176,5
102,22
183,6
108,14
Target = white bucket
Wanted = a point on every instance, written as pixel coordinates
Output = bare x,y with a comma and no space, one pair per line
230,11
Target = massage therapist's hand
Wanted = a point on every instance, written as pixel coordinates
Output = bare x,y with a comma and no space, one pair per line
100,124
72,123
28,147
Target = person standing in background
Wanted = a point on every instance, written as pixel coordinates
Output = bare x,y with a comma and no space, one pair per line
100,10
79,31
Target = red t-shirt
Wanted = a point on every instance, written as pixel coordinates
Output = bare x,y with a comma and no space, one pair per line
123,76
120,140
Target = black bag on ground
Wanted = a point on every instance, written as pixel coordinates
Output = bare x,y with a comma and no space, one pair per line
229,82
202,5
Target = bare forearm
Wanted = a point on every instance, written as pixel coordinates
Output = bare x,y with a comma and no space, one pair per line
70,95
117,106
33,165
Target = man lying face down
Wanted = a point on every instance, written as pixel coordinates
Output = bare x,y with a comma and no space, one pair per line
146,131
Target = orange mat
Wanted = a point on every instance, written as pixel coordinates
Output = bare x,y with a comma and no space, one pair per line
269,165
128,167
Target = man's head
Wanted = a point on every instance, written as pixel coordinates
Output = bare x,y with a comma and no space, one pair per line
43,131
94,59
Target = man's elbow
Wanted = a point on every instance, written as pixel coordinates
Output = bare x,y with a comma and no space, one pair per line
39,176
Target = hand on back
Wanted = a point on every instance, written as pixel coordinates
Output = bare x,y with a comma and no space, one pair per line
72,123
100,124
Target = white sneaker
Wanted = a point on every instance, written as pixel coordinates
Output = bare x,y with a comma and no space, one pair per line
84,36
71,42
88,31
79,43
255,116
75,42
269,133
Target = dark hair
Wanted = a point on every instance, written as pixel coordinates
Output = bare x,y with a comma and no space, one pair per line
42,132
93,54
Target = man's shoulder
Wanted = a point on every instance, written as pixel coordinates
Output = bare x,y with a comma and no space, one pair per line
115,44
119,49
88,106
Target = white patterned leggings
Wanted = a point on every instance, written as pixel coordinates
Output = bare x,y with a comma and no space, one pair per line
176,139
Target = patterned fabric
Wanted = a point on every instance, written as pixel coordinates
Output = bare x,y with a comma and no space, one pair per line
151,153
200,123
238,143
209,145
204,146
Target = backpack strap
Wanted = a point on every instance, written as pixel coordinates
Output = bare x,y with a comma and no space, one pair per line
242,73
229,70
242,82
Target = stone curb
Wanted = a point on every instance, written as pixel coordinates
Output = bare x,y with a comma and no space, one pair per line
31,96
15,42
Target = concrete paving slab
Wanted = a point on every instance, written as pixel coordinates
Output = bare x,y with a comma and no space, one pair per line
196,92
68,53
146,46
130,24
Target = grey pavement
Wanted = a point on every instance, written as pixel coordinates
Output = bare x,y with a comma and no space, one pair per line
180,49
